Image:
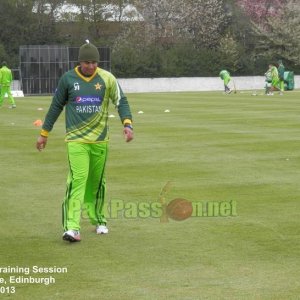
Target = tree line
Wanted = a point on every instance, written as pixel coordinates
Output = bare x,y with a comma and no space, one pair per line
161,38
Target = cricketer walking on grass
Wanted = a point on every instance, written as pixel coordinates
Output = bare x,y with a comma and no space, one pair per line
6,79
86,92
225,76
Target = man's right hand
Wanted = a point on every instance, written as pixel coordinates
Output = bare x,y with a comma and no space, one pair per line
41,143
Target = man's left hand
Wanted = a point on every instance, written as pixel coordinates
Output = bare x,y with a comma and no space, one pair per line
128,133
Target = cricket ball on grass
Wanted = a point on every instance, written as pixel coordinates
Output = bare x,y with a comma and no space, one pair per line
179,209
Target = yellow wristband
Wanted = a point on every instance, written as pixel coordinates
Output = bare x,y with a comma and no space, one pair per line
127,121
44,133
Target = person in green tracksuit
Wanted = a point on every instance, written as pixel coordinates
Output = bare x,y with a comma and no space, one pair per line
275,82
86,92
225,76
281,70
6,79
268,81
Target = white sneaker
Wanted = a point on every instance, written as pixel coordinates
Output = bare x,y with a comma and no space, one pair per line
72,236
101,229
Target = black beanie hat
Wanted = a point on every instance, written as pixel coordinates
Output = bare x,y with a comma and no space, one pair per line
88,52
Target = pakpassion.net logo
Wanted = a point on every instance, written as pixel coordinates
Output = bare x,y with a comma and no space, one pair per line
178,209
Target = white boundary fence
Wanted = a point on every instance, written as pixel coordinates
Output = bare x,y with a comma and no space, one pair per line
192,84
183,84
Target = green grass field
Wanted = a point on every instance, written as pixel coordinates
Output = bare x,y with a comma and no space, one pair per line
211,148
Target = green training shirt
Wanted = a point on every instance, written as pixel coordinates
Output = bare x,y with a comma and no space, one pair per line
224,74
274,73
86,101
5,76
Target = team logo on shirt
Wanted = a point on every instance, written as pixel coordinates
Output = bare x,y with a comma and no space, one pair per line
88,99
98,86
88,104
76,86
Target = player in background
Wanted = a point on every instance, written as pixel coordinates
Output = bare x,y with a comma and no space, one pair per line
6,79
275,84
225,76
86,92
281,70
268,81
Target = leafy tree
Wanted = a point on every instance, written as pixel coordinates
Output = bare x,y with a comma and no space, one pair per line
281,36
172,38
247,20
94,12
230,53
3,54
159,17
260,10
203,21
13,33
21,25
118,12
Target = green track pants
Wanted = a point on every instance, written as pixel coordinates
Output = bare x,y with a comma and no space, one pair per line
85,184
5,90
